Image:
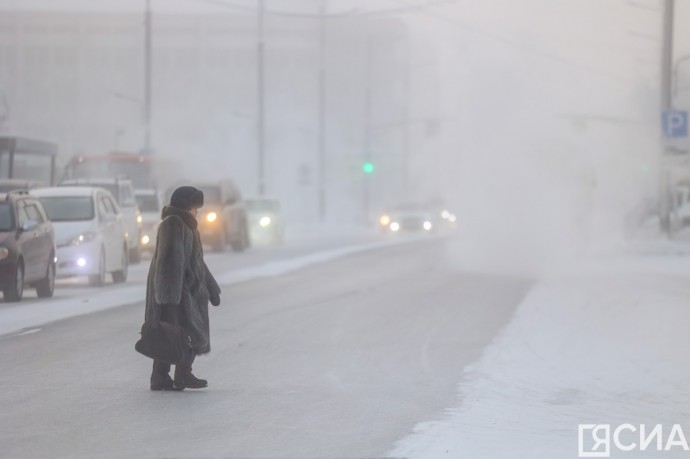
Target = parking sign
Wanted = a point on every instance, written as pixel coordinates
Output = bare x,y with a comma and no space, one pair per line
675,124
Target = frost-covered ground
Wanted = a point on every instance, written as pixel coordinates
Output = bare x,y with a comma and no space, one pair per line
604,342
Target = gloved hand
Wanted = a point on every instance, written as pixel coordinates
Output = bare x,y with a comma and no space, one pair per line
215,298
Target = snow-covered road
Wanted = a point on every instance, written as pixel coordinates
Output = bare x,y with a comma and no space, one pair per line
338,359
361,347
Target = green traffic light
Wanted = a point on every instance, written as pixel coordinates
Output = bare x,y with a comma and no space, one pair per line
368,167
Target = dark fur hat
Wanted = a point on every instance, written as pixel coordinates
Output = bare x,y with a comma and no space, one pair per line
187,197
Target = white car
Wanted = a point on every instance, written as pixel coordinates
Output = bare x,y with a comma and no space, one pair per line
89,232
123,192
266,221
150,203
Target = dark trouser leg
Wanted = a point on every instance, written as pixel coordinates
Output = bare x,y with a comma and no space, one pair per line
183,374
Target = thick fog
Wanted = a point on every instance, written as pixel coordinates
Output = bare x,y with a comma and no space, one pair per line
537,121
475,242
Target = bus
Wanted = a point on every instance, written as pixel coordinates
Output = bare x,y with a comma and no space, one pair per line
145,172
27,158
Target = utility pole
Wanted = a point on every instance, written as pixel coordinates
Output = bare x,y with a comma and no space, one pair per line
406,122
147,79
322,113
260,99
666,104
367,124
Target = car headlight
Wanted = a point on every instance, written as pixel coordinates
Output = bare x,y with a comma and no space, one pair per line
211,217
395,226
145,239
384,220
4,253
427,225
140,219
264,222
83,238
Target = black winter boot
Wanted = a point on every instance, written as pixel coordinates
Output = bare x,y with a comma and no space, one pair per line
184,379
160,378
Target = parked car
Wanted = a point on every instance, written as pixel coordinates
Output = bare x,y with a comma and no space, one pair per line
408,217
123,192
266,221
223,219
7,185
150,204
27,246
89,232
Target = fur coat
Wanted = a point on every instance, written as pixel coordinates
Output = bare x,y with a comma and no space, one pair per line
179,283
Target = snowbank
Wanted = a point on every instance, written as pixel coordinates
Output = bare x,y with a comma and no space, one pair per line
606,343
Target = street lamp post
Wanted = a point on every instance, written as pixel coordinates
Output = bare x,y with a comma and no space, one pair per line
261,185
147,79
676,68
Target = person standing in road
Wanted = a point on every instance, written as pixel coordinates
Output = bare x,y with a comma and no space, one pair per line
180,285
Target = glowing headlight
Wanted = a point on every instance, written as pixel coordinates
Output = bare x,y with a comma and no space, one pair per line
140,219
4,253
427,225
145,239
445,215
395,226
212,217
264,222
452,218
81,262
82,238
384,220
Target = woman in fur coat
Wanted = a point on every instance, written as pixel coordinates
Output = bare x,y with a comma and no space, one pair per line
179,286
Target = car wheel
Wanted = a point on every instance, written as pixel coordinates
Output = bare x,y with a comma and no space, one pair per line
135,255
241,243
218,244
97,280
15,290
46,286
121,276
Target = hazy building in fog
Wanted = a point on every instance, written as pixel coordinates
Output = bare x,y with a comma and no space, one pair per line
77,78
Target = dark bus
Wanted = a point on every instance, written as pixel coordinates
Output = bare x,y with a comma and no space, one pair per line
26,158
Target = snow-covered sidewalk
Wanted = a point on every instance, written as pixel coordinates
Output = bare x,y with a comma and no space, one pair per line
605,343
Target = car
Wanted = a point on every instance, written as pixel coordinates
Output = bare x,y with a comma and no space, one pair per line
266,221
27,246
90,232
408,217
150,204
123,192
223,219
7,185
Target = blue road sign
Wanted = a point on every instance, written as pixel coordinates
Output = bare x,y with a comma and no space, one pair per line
674,123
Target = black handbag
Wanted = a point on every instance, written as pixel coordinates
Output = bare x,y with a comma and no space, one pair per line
163,341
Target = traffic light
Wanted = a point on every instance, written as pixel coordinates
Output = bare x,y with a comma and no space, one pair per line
368,167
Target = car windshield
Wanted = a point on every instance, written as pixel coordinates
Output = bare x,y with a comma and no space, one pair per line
262,206
148,203
6,219
68,208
